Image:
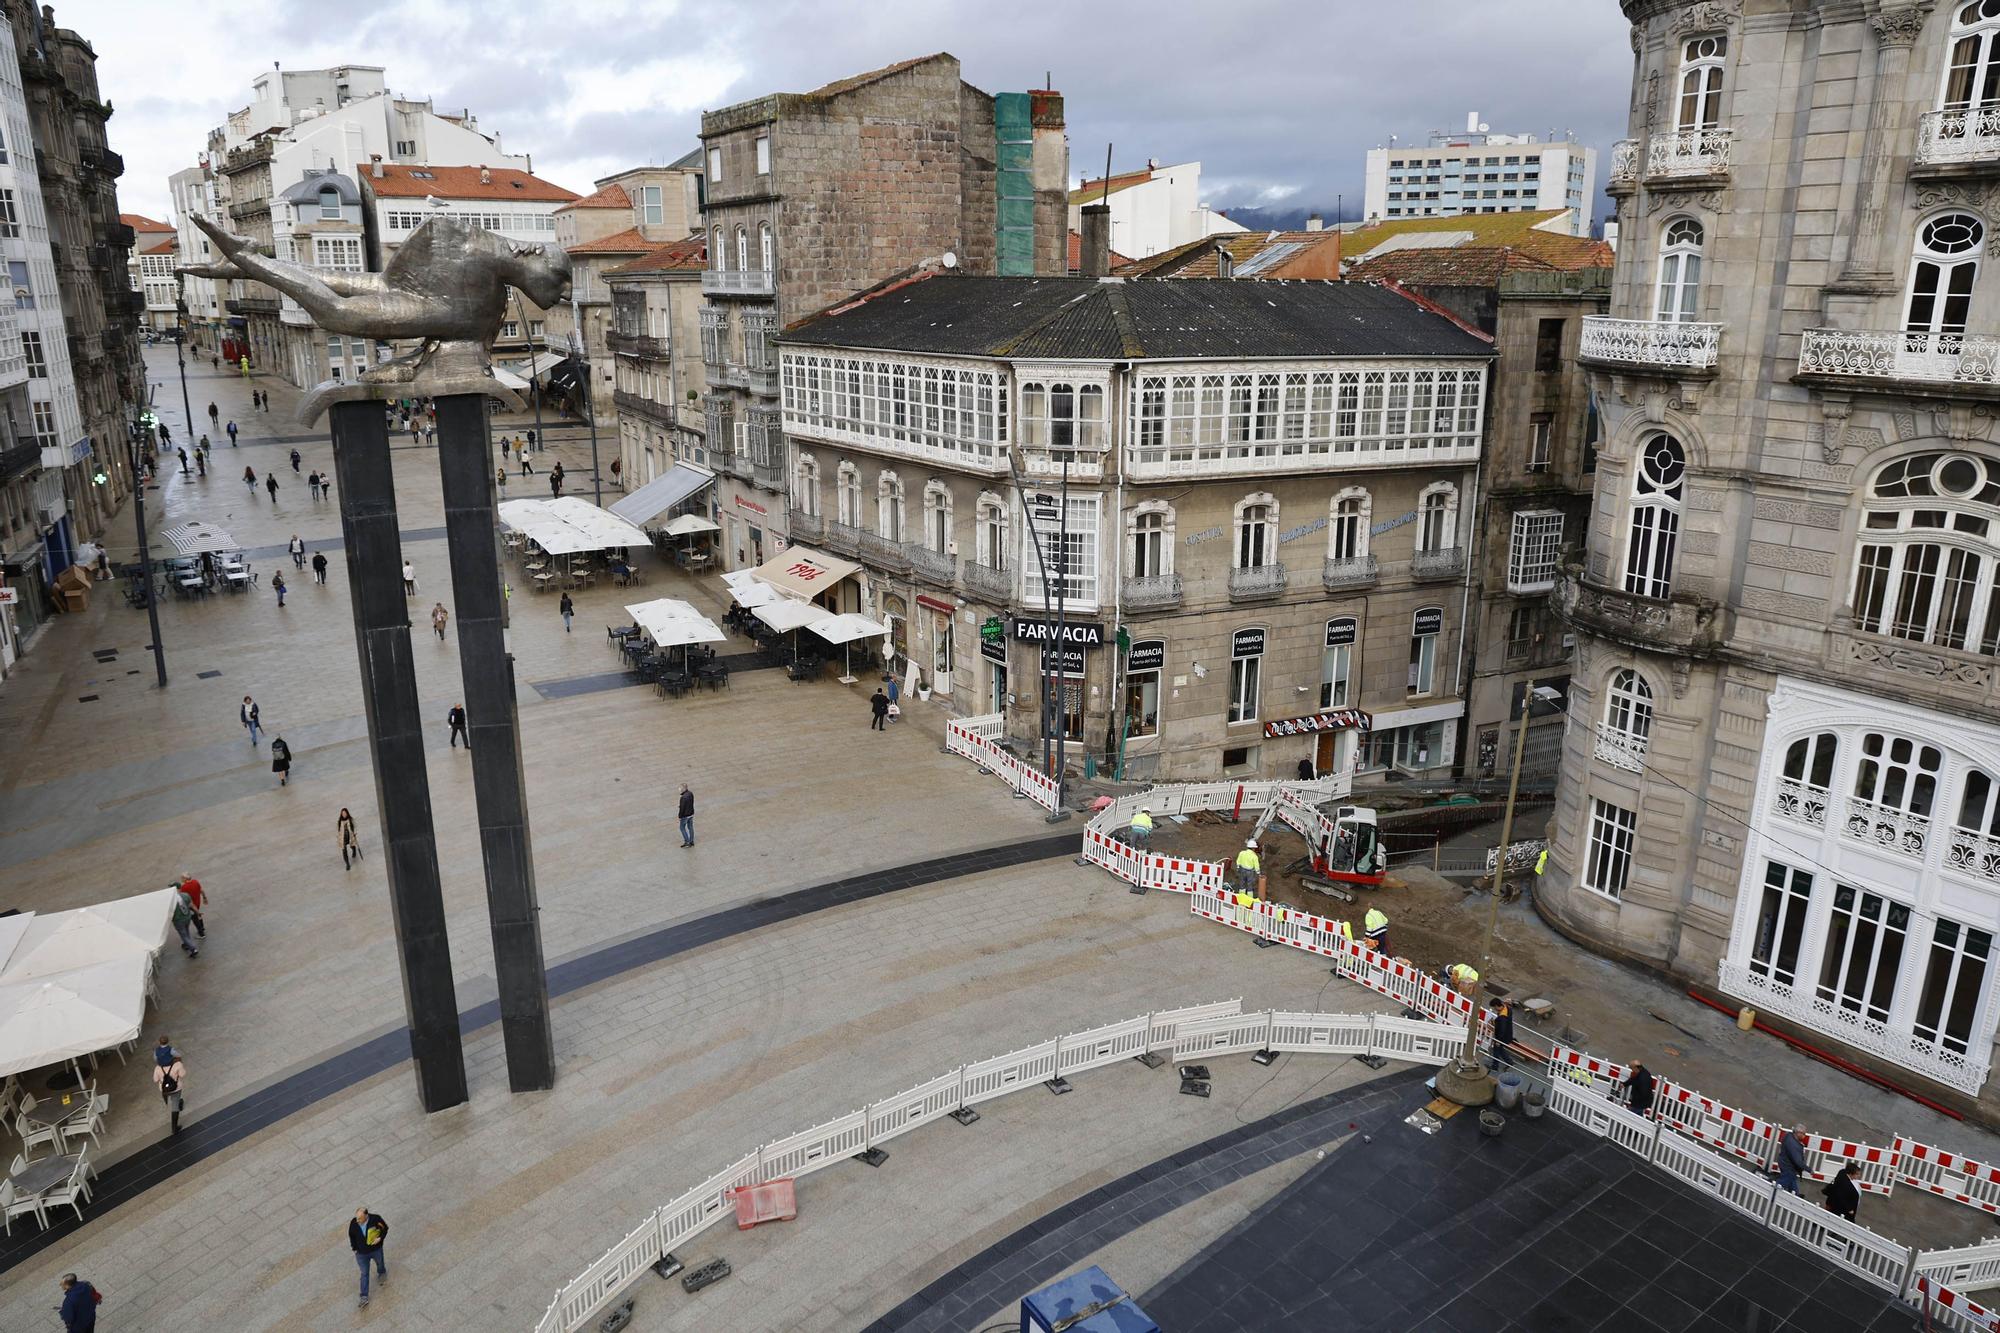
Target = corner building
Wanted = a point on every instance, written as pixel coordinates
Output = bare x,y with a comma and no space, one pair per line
1782,771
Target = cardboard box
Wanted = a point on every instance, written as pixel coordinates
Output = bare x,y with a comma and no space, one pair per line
72,590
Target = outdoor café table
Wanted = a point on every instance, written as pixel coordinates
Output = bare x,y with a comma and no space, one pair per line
239,579
40,1177
542,581
52,1111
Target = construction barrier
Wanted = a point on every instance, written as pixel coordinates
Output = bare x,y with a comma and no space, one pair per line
1708,1121
1107,840
978,739
1967,1268
1960,1179
1948,1309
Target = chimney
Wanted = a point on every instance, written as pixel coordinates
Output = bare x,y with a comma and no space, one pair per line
1315,223
375,165
485,176
1225,263
1095,260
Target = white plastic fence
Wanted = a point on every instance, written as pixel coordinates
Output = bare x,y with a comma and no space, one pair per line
1107,842
1960,1179
1948,1309
1967,1268
978,739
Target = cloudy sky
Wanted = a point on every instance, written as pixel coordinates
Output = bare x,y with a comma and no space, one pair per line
1279,102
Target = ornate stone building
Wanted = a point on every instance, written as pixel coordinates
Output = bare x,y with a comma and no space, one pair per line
1782,770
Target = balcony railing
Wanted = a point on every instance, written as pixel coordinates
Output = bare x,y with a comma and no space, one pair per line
737,282
1653,343
1152,592
1953,138
761,380
1887,827
1688,153
882,553
1621,749
634,344
1886,354
723,376
1686,626
768,473
1801,802
842,537
1966,1072
1350,571
1971,852
1624,162
806,527
1447,562
996,585
931,566
1256,582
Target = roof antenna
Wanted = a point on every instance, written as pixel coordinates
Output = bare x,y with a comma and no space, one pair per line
1106,200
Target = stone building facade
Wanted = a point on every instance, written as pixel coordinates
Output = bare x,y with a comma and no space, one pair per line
812,197
1783,759
655,346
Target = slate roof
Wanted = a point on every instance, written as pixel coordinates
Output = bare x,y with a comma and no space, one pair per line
1089,319
1196,259
684,256
306,191
400,181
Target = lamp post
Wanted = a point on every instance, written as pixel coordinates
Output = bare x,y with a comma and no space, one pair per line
180,357
146,556
589,392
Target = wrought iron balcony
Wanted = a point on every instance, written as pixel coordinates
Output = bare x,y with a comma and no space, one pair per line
806,527
1152,592
738,282
884,554
996,585
633,344
1653,344
1624,163
1345,572
1256,582
1687,154
247,155
1621,749
1968,136
1686,627
1801,802
1888,356
1447,562
842,537
931,566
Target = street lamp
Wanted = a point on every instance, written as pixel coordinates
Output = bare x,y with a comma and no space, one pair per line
1466,1080
180,356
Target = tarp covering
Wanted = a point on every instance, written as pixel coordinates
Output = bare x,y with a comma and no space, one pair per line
60,941
70,1014
804,572
192,538
662,493
568,524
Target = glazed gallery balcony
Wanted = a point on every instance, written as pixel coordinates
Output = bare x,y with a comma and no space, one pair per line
738,282
1668,346
1896,360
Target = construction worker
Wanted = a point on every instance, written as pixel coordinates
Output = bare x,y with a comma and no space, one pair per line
1376,926
1343,932
1142,829
1542,861
1248,867
1463,976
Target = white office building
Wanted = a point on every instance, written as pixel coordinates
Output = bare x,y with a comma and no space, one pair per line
1477,171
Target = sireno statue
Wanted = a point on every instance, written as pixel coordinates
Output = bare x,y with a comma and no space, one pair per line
446,285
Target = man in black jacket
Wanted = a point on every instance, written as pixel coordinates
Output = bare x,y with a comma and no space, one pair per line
457,719
1639,1089
687,816
365,1235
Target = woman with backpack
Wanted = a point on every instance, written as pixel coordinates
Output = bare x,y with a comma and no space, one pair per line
171,1080
281,760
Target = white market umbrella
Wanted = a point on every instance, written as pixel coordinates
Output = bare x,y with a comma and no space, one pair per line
737,578
754,594
70,1014
687,525
787,614
567,524
61,941
844,629
673,623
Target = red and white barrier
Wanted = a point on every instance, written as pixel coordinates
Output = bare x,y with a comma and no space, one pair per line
1875,1167
975,738
1605,1075
1960,1179
1708,1121
1952,1310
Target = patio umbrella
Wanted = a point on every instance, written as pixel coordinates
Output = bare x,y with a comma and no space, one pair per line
844,629
60,941
687,525
788,613
753,593
674,623
69,1014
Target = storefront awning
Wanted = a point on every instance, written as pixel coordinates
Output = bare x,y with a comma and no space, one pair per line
804,572
662,493
540,364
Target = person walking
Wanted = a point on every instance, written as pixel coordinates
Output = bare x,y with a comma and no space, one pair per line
312,485
687,815
250,479
456,719
202,446
278,587
409,579
895,686
197,898
350,841
1249,867
533,443
281,760
253,398
248,715
567,610
182,451
183,915
264,400
79,1305
232,434
500,479
201,461
556,479
319,567
1637,1089
271,485
295,460
527,468
616,468
365,1236
1843,1196
439,618
878,707
298,549
213,416
1791,1159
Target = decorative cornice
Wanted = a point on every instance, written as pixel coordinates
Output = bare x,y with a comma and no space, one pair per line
1900,26
1983,197
1709,16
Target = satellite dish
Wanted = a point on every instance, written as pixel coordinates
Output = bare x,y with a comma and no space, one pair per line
1484,127
950,260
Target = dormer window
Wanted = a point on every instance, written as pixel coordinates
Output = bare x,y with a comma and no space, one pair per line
329,204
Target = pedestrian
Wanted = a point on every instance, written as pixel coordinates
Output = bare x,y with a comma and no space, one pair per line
416,434
878,705
278,587
439,617
1843,1197
250,479
271,485
409,579
295,461
202,445
1142,829
1249,867
281,760
248,714
456,718
164,1053
213,416
1638,1089
1503,1032
895,687
500,478
197,898
616,468
171,1080
1463,977
253,398
568,612
201,462
183,915
79,1305
430,433
532,444
184,459
319,567
232,433
1375,926
298,550
312,485
1791,1159
687,815
264,400
555,482
527,468
365,1235
350,842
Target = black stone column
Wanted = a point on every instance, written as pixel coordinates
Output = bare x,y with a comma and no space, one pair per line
396,744
465,458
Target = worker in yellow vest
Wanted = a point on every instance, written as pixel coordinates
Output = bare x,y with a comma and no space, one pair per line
1248,867
1542,861
1376,925
1142,829
1343,932
1464,976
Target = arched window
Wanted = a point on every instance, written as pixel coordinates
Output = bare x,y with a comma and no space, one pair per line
1806,778
1628,720
1152,548
1679,288
807,496
992,535
889,507
1895,786
1949,247
1659,481
1978,815
742,250
1347,525
1257,532
1929,567
766,258
1972,75
719,251
1437,517
329,205
1701,82
937,516
848,495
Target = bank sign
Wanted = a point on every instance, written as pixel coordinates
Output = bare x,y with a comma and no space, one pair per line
1074,633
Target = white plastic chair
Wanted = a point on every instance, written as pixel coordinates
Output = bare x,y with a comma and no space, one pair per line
13,1206
89,1125
70,1192
32,1134
20,1164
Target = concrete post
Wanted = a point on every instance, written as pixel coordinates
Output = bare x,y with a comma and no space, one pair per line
373,543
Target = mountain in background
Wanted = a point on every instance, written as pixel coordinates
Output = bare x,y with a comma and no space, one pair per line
1276,219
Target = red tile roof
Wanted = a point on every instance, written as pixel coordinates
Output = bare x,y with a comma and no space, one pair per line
685,256
1076,253
631,241
400,180
165,247
141,223
1478,265
611,196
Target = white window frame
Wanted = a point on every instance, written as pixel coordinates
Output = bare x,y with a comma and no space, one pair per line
937,517
1246,685
1151,534
847,495
890,512
1975,47
1652,529
1336,668
1534,550
1628,719
1081,580
806,481
1423,673
1341,527
1698,100
991,538
1943,276
1250,529
1607,865
1677,288
1437,518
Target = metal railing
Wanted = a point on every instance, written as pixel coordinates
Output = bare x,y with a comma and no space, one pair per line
1890,354
1967,134
842,537
762,380
1650,342
1256,581
1152,592
1621,749
934,566
884,553
737,282
806,527
1351,571
984,581
1688,153
1624,162
1447,562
